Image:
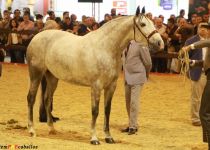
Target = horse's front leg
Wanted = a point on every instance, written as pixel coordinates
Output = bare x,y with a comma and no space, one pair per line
108,94
95,99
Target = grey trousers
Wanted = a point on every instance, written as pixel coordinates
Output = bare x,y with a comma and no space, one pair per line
132,93
197,88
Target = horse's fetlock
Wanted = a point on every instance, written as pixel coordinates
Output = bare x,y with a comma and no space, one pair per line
95,112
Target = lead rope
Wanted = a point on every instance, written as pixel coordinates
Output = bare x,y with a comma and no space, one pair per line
185,63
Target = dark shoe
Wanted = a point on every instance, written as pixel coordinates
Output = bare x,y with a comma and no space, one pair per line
41,119
132,131
196,123
125,130
55,119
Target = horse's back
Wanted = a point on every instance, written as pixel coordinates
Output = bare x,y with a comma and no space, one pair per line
43,42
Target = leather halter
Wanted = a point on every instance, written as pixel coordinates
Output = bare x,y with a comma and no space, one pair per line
145,36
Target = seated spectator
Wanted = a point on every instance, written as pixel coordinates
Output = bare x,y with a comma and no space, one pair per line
28,11
205,17
113,13
66,24
95,26
181,14
26,28
14,43
6,19
73,19
39,17
172,40
149,15
84,27
65,14
51,15
39,25
58,21
26,25
199,19
107,17
17,16
173,16
75,28
160,64
4,24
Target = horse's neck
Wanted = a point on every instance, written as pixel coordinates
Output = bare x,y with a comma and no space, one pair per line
117,33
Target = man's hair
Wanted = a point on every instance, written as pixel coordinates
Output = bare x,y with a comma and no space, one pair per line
171,20
50,12
204,25
65,12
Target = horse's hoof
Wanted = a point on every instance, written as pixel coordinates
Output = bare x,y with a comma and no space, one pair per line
32,134
109,140
52,132
95,142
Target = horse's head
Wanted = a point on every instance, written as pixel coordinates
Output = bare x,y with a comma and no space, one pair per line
146,28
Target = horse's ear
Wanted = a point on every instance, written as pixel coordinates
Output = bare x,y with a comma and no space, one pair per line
143,10
137,11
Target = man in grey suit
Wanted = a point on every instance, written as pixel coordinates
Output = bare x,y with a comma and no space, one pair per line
137,65
205,101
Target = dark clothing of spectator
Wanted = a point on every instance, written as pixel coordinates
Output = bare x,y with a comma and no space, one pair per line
82,30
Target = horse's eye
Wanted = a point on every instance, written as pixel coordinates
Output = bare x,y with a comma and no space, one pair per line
142,24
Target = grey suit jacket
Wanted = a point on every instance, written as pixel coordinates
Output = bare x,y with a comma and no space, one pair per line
201,44
137,64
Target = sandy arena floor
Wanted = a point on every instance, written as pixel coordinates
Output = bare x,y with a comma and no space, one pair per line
164,117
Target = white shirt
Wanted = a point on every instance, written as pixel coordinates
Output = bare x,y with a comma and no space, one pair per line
203,50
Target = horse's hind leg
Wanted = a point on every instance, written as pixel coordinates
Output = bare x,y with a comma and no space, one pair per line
95,98
35,78
108,94
52,82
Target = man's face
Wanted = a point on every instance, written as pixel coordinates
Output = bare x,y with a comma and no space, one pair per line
113,11
203,32
66,15
17,13
206,18
182,23
6,15
26,18
158,23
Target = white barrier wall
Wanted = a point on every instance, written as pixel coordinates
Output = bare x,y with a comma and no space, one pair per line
19,4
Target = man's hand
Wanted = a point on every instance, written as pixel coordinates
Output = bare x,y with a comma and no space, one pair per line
186,48
192,63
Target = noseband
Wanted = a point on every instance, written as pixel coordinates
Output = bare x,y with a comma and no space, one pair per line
146,37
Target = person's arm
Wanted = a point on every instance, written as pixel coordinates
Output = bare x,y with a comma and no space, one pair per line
200,44
146,59
196,63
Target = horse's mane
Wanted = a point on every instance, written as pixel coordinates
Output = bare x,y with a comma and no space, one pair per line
122,18
115,20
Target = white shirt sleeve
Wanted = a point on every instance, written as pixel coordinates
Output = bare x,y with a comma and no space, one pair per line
192,46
